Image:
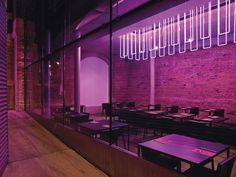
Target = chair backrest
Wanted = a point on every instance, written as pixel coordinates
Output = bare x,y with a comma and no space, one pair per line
82,108
219,112
194,110
157,107
174,109
224,168
131,104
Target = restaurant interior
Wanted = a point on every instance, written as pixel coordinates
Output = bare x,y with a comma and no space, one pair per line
138,88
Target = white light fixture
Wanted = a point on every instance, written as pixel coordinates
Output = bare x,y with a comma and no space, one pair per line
227,23
176,34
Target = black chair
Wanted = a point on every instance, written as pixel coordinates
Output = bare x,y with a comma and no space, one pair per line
82,108
219,112
173,109
196,129
107,111
194,110
155,157
130,104
224,169
121,104
115,133
166,125
104,105
154,107
78,117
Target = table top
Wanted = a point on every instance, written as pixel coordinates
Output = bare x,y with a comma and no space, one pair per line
180,115
135,109
75,115
186,108
214,119
101,125
155,112
209,110
185,148
232,113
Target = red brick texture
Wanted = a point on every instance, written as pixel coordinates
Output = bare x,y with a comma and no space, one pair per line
205,78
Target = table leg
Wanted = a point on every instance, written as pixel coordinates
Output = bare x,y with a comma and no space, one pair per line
128,138
212,164
228,152
210,124
138,151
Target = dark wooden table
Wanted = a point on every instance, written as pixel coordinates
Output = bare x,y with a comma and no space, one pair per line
135,109
181,116
94,128
212,119
232,113
155,113
191,150
185,109
210,111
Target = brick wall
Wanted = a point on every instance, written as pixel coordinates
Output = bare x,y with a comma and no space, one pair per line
205,78
20,62
32,55
131,81
10,73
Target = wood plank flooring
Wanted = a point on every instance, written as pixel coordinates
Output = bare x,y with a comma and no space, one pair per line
35,152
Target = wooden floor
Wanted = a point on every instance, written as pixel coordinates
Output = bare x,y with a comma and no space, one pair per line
34,152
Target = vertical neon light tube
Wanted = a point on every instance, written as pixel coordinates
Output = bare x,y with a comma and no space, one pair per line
227,23
202,26
175,33
162,38
128,41
185,34
195,31
121,47
133,43
145,42
234,21
142,48
155,37
151,39
170,37
124,46
137,56
190,38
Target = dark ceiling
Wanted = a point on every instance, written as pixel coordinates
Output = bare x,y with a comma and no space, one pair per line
51,14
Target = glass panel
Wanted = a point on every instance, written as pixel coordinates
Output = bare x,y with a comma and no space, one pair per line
53,88
71,114
34,89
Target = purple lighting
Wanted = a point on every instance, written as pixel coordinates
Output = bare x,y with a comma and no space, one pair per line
213,23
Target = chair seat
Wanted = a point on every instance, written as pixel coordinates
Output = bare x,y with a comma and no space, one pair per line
197,171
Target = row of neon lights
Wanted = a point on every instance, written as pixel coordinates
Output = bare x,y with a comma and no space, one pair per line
174,34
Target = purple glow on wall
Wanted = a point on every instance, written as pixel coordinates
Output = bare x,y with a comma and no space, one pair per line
212,23
93,82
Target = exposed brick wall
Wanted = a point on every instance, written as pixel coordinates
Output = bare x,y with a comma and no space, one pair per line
32,55
131,81
20,62
10,72
205,78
